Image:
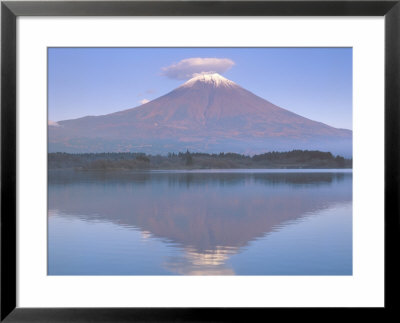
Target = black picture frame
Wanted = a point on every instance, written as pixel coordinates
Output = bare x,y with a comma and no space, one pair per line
10,10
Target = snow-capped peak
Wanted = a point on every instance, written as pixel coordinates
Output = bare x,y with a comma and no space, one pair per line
214,79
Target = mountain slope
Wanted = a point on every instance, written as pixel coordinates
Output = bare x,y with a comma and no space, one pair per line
208,113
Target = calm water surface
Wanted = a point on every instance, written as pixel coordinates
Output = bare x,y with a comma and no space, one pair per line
223,222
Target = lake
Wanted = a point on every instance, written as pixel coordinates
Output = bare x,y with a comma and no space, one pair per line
212,222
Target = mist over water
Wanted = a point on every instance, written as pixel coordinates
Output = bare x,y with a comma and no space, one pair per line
223,222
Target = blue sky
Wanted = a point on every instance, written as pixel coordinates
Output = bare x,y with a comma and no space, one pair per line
313,82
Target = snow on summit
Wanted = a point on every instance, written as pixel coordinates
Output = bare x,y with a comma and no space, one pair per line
214,79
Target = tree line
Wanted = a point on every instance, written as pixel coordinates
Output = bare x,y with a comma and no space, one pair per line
195,160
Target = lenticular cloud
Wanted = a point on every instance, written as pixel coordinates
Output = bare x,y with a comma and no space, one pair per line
189,67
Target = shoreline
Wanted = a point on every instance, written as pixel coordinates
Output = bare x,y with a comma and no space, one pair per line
213,170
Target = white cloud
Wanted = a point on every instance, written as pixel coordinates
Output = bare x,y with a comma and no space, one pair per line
186,68
53,123
144,101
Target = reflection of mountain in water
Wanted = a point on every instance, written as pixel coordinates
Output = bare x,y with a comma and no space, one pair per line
209,215
209,262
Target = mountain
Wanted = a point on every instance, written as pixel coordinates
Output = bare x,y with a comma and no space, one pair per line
208,113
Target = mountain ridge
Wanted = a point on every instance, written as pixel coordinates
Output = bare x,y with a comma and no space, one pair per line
208,113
